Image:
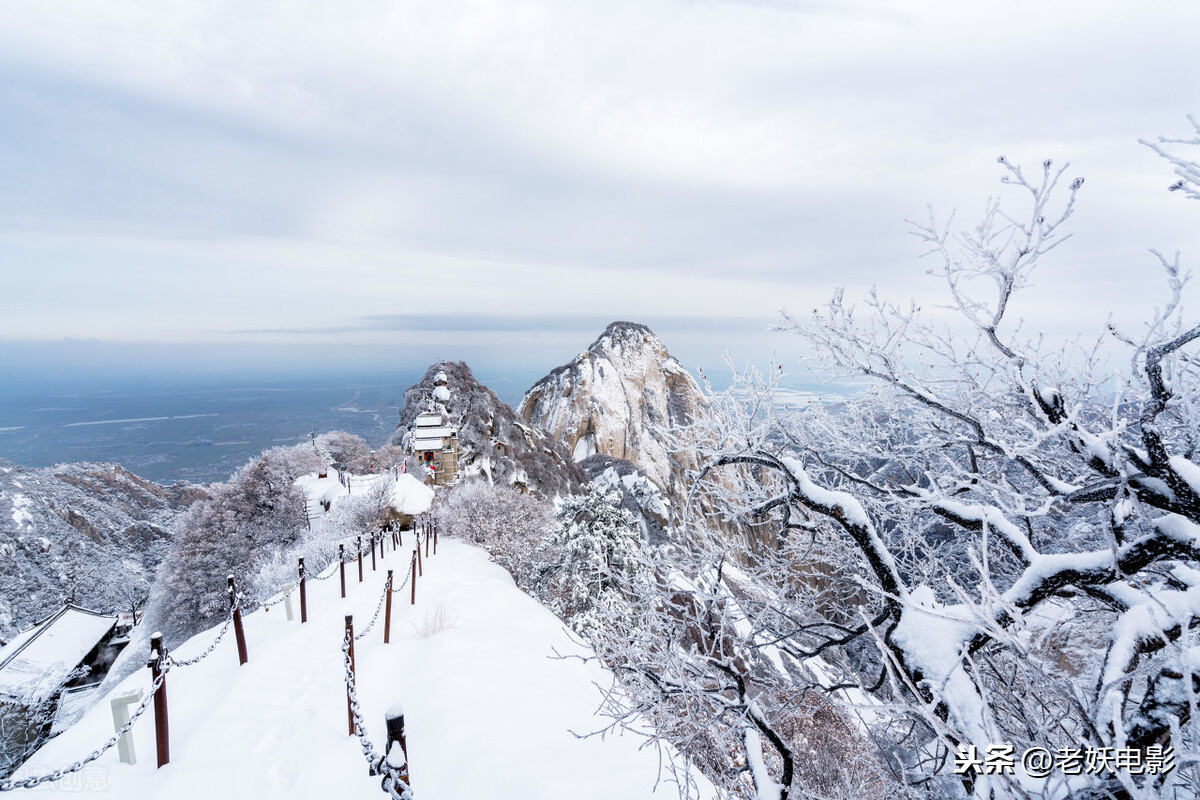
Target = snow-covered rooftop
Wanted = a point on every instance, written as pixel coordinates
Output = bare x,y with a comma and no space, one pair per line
430,433
36,662
410,496
428,444
428,419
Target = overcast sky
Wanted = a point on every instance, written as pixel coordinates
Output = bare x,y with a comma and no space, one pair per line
417,180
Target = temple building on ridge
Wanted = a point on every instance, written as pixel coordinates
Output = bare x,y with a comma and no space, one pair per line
435,440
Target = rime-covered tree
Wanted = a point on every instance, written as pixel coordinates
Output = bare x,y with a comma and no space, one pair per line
996,542
345,450
599,566
257,513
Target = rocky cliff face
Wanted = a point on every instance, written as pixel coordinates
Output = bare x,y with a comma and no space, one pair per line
492,440
621,397
86,533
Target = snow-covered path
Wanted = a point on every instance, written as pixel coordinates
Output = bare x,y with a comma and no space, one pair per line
489,710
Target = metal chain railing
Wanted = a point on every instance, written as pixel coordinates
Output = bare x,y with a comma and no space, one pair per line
407,576
331,573
378,608
187,662
392,783
279,599
29,783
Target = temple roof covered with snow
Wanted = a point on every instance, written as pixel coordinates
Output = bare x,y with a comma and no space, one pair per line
38,661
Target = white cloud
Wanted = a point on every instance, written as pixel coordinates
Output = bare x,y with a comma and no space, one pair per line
188,169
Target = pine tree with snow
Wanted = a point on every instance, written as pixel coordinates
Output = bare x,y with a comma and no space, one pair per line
600,568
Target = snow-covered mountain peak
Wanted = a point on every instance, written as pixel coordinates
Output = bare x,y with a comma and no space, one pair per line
621,397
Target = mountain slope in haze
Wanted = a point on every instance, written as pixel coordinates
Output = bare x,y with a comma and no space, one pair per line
82,532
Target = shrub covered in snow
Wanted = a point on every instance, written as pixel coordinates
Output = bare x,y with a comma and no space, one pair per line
508,523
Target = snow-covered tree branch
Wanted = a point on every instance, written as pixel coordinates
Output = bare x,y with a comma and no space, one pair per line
995,522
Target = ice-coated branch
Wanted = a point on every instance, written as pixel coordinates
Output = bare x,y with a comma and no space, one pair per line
1186,169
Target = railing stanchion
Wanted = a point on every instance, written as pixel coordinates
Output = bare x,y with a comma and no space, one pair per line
342,566
420,567
360,559
303,595
238,633
414,582
387,610
349,703
372,552
394,719
157,666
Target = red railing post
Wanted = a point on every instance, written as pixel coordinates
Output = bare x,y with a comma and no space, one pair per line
161,734
349,706
394,720
303,595
342,566
420,568
414,582
238,633
387,610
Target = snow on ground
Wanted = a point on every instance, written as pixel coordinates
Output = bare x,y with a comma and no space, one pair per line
19,505
315,488
490,709
409,495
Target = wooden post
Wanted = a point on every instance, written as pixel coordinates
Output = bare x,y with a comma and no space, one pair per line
372,552
394,719
387,610
414,582
342,566
349,707
427,544
303,596
360,559
435,529
420,568
161,736
238,633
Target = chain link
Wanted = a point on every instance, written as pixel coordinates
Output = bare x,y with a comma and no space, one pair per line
378,608
407,576
396,788
280,599
187,662
58,774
